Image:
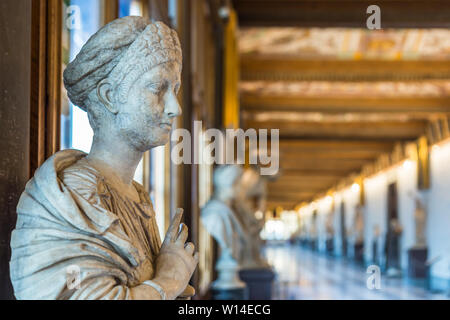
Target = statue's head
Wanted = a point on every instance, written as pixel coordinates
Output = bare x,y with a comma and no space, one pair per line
252,191
226,181
126,77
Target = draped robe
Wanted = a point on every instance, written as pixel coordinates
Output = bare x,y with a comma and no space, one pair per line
221,222
71,218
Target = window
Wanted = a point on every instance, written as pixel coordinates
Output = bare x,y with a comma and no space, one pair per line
82,18
130,8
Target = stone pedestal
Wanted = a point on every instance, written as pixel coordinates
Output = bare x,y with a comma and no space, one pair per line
375,256
259,283
228,286
229,294
417,258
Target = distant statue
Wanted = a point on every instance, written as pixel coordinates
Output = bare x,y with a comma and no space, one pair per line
420,217
376,232
358,225
85,229
250,207
313,231
329,232
222,223
329,225
375,244
357,234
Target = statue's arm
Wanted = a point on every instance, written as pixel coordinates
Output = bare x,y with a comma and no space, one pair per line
106,288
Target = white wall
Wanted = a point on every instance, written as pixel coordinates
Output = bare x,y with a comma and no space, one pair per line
350,197
438,223
407,188
337,224
306,218
375,212
324,208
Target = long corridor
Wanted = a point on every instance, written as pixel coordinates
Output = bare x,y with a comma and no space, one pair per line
306,275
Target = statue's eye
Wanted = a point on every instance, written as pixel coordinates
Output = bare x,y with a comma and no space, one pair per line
155,87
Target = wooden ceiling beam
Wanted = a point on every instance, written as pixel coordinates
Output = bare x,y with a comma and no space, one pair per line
333,154
313,145
271,205
294,196
304,185
305,179
347,13
377,130
325,164
254,102
286,189
285,68
293,199
312,173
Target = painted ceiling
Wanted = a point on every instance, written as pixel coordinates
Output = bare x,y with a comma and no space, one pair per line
347,43
434,88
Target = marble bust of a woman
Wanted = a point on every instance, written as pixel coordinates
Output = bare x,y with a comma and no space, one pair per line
84,212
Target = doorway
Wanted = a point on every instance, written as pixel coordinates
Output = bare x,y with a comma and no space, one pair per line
392,243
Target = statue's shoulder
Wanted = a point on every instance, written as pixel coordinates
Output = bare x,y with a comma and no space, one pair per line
215,209
81,178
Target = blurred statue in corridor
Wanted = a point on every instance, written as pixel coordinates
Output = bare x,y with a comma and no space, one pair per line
222,223
358,224
329,231
420,218
313,233
375,245
392,247
418,254
358,233
250,206
85,229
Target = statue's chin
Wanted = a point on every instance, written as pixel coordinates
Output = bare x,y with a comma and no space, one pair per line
161,141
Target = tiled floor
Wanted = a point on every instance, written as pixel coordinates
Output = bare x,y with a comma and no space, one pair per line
303,274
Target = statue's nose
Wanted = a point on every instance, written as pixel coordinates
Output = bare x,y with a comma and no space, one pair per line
173,108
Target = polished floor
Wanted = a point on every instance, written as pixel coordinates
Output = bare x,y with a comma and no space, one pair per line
306,275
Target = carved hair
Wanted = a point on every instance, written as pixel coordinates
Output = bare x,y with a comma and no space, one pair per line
122,50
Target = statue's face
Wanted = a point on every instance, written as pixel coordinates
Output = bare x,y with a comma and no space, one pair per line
146,119
252,196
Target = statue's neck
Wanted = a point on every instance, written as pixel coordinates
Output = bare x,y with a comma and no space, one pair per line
115,159
225,199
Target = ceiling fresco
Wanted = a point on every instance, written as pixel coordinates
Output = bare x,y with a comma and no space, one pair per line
346,43
435,88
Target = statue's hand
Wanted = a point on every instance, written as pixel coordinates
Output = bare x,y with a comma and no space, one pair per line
187,294
176,261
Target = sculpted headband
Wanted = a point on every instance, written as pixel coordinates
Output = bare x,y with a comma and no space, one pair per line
123,51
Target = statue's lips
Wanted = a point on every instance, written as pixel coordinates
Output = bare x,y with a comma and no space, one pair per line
167,126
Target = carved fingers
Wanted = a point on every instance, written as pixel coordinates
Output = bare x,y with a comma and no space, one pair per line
189,248
188,293
177,236
172,232
182,235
